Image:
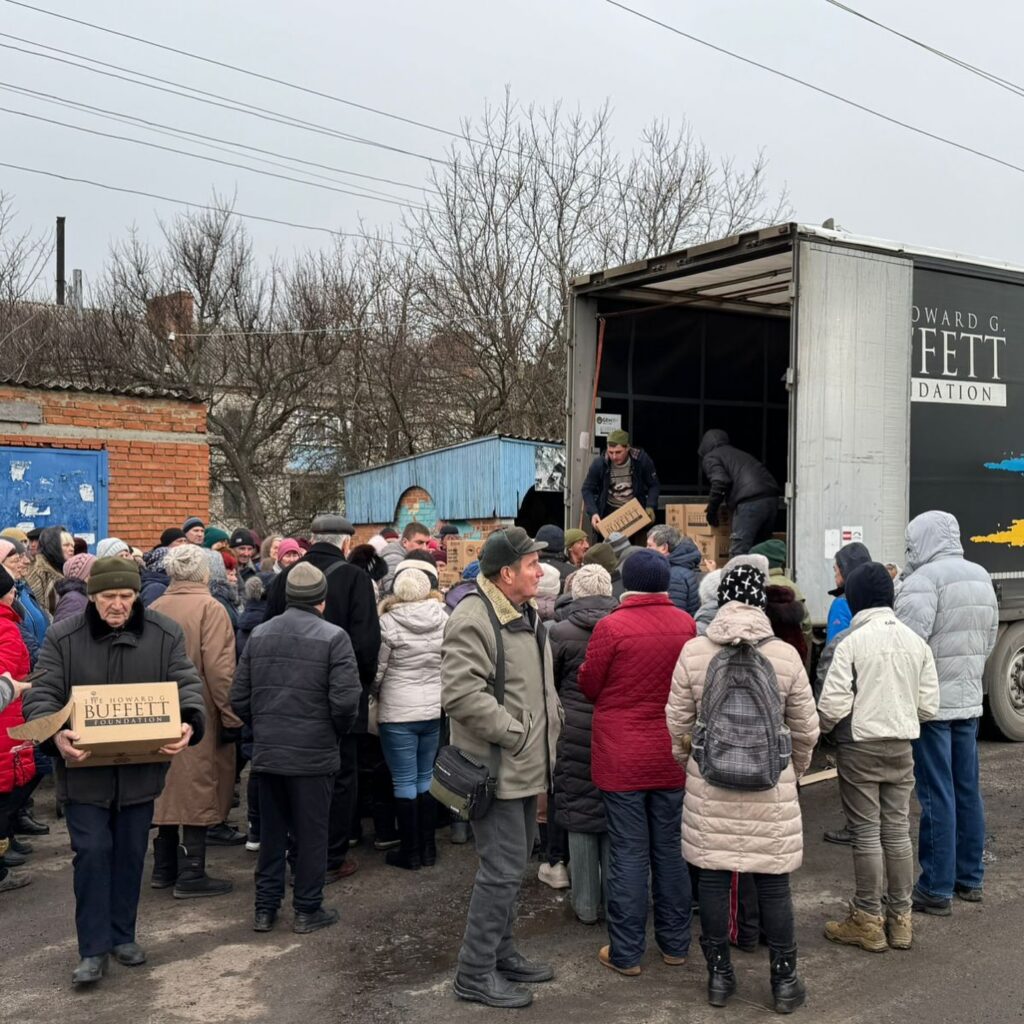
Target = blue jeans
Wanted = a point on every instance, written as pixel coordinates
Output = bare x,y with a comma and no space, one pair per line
645,836
752,522
410,749
952,837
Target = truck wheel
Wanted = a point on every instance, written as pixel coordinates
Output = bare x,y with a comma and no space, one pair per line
1004,683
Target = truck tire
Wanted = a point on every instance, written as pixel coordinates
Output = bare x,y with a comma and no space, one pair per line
1004,683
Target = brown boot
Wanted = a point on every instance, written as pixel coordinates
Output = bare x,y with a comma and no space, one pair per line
899,930
859,929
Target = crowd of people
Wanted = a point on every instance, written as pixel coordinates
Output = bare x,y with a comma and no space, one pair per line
644,719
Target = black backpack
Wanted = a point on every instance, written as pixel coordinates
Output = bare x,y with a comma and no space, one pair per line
741,740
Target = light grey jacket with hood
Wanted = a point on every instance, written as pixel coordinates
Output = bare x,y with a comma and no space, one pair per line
950,603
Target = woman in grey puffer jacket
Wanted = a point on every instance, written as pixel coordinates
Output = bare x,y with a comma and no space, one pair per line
408,692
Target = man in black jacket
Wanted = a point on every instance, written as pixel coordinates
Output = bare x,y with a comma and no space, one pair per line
298,709
621,474
351,604
740,482
109,809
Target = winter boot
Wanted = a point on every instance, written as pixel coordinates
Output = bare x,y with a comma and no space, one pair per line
165,858
721,977
193,880
859,929
899,929
408,854
787,989
425,805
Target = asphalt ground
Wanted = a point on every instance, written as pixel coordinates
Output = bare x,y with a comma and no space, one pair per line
391,957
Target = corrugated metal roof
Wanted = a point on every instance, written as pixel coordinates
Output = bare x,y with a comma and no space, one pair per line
485,477
64,384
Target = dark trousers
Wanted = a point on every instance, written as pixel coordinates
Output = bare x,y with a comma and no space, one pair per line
773,900
252,803
294,805
752,523
504,839
952,836
109,844
644,829
12,803
343,803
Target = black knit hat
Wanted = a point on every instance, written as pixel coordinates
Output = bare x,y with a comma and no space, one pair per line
448,530
745,584
6,582
241,538
646,572
305,584
169,536
869,586
192,521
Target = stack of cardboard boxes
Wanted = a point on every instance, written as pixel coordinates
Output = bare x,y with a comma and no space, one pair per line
460,554
690,521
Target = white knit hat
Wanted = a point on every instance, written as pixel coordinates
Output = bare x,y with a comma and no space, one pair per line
591,581
111,547
551,582
759,562
412,585
709,587
188,563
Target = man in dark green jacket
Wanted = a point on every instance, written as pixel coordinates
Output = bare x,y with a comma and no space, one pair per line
109,809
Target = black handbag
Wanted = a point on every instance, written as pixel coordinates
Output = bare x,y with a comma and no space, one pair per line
461,782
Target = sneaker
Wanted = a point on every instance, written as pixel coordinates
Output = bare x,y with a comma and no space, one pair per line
605,956
840,836
314,921
252,845
969,895
15,880
899,930
385,843
924,903
555,875
859,929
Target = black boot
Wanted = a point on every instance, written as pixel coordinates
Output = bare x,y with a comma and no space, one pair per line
165,858
721,977
193,880
25,824
408,855
787,988
428,844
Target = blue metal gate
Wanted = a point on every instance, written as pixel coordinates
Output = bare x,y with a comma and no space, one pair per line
55,487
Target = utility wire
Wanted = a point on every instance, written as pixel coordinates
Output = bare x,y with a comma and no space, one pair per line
211,159
819,89
203,206
187,135
989,76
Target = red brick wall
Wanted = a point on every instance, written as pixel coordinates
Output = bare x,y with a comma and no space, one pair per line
153,484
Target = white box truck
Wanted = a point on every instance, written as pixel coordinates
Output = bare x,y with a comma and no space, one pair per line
875,380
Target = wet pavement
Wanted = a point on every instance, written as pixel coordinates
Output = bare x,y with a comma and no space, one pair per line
391,957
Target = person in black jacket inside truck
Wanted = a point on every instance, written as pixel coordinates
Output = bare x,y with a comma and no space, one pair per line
742,484
109,809
621,474
298,708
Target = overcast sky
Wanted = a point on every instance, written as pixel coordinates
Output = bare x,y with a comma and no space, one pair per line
441,61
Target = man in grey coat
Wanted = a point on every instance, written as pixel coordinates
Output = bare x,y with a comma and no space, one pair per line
517,738
950,603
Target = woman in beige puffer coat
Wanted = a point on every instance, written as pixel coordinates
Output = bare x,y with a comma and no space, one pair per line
727,830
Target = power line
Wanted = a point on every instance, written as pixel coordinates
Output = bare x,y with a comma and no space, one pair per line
819,89
203,206
988,76
187,135
211,159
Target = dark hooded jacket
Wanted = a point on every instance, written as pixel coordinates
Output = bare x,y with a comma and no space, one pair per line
252,615
554,554
839,614
786,614
684,582
735,476
646,486
578,803
71,599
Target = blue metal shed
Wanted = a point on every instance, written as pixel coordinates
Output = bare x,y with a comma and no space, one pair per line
485,478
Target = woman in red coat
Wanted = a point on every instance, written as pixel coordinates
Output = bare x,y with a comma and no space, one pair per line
628,674
17,758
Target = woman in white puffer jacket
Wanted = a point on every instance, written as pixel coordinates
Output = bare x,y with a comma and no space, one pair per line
408,692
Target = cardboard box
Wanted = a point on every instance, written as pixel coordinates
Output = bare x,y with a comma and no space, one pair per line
629,519
691,520
713,547
119,723
448,577
462,552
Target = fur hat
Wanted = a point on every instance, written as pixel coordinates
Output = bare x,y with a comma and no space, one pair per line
413,585
254,589
188,563
78,567
591,581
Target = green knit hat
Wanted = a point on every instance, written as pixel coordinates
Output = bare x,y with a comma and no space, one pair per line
619,437
573,537
602,554
774,550
213,535
114,574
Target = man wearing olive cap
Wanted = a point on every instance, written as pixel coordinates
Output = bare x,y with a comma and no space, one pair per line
516,738
108,809
618,476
